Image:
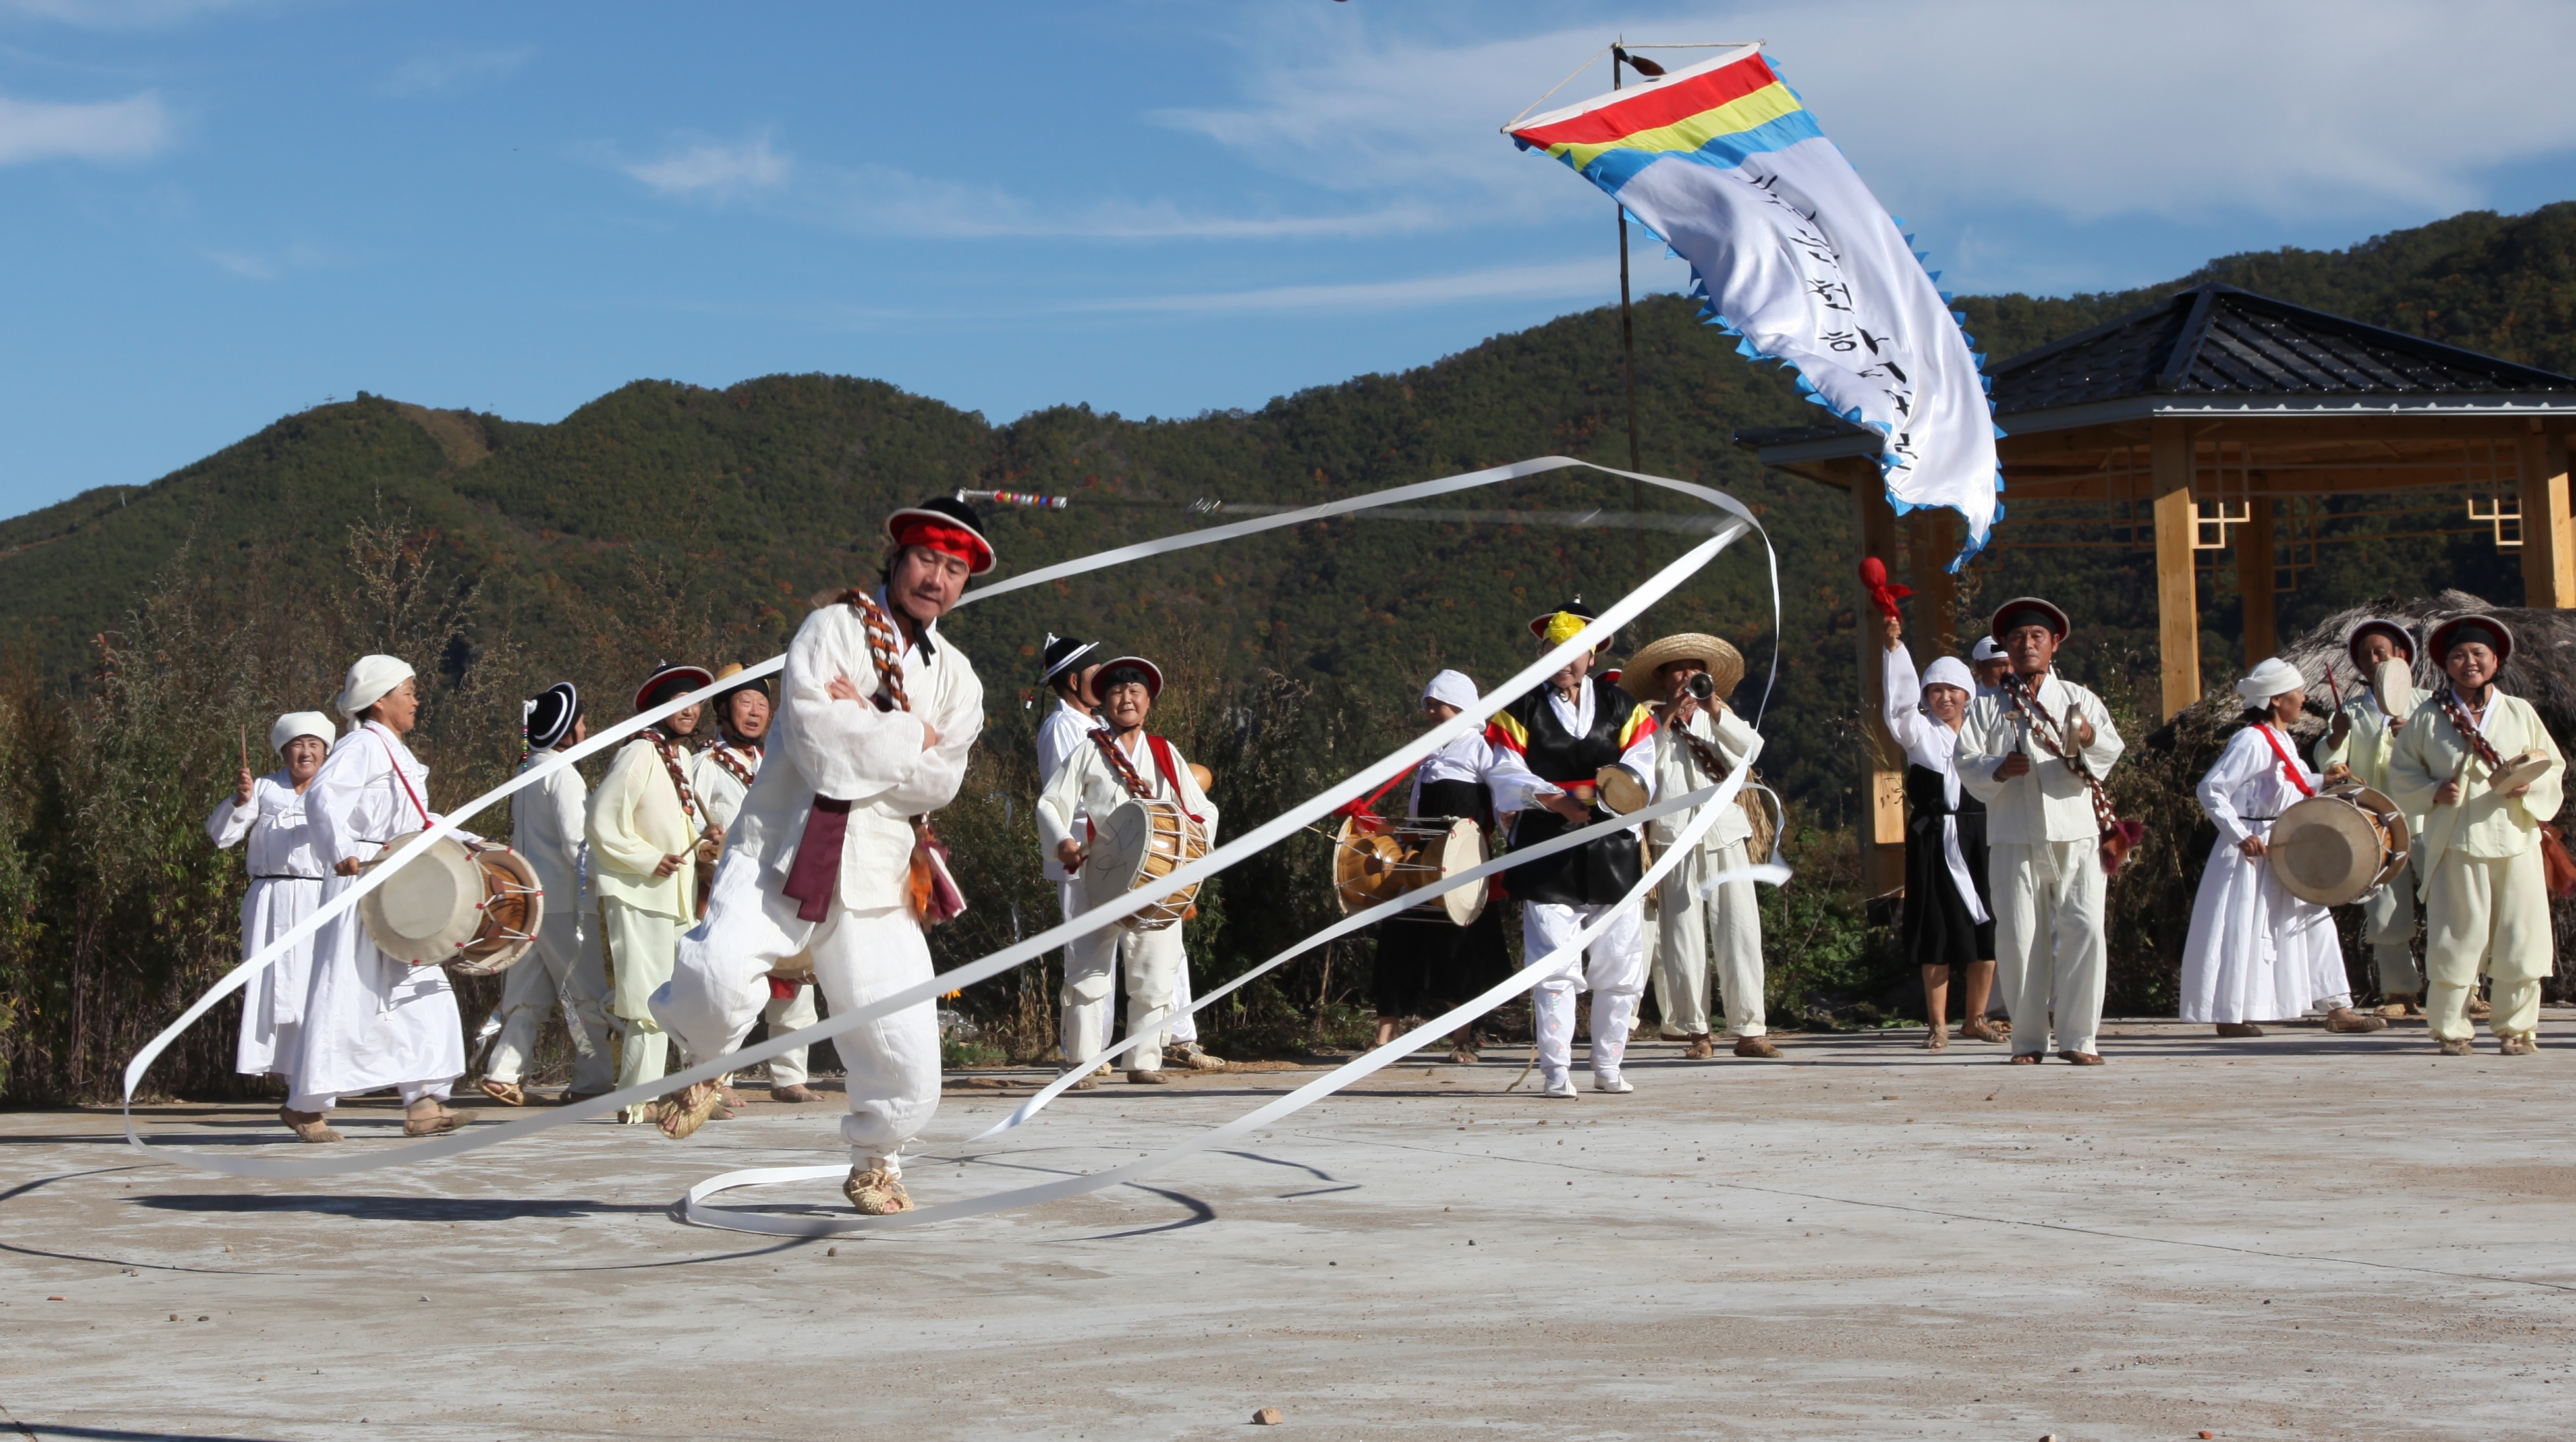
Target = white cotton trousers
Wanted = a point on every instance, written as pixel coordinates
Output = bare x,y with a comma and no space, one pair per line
2486,915
637,947
2049,950
1613,969
1683,946
785,1014
558,971
1152,961
720,986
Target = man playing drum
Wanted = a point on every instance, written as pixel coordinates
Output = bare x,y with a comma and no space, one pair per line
546,822
2256,952
371,1021
645,829
722,776
1120,762
286,881
1548,747
2359,740
1425,962
2484,774
2019,750
1699,742
876,714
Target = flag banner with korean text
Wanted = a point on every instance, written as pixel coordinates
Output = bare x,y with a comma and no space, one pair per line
1792,255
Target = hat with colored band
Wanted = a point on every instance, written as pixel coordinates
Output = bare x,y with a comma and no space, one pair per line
946,525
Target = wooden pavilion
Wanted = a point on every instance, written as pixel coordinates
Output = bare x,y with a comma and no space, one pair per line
2213,428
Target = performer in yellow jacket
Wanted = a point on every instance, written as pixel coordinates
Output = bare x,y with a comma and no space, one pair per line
644,828
2477,852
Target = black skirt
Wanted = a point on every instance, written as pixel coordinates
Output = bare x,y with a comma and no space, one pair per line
1425,963
1937,931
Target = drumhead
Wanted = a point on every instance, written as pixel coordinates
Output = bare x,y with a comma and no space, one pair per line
2394,686
1465,851
427,909
2325,850
1620,790
1117,857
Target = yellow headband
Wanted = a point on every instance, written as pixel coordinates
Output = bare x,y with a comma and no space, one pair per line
1562,627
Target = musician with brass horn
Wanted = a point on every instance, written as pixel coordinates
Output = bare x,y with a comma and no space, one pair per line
2485,775
645,831
2257,951
1551,752
2035,750
2364,731
722,775
1125,807
546,826
833,855
372,1021
1699,742
1430,958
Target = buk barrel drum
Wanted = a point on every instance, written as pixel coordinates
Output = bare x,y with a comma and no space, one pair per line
472,907
1373,867
2338,846
1133,847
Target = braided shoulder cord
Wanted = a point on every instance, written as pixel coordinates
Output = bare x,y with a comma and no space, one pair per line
2051,738
724,758
885,650
2468,729
1710,759
1120,766
671,755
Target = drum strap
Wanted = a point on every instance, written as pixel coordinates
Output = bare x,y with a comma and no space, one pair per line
1130,778
2289,767
399,775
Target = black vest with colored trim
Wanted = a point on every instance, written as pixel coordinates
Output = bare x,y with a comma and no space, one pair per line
1597,872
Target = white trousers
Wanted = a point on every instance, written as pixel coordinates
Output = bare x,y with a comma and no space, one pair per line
1613,969
1683,950
2388,924
786,1014
720,986
557,972
2049,951
2490,915
1152,961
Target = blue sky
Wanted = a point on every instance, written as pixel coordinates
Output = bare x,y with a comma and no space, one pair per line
217,212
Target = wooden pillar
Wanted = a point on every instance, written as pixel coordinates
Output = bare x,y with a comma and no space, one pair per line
2254,581
1933,537
2177,593
2548,546
1882,779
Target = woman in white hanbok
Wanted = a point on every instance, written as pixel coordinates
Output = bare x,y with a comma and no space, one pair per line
286,881
370,1021
2256,952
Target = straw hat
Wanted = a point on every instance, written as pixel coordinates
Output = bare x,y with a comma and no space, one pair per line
1725,664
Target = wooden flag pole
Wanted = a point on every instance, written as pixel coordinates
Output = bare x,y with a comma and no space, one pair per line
1628,341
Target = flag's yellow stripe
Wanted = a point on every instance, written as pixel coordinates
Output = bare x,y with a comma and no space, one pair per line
1683,136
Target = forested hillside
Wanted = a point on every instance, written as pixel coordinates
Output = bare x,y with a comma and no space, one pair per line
672,521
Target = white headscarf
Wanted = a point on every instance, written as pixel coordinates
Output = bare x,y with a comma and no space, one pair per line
2270,679
371,679
1951,671
1451,688
300,723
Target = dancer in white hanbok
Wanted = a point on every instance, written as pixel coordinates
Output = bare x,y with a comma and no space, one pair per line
370,1021
2256,952
559,971
285,885
722,775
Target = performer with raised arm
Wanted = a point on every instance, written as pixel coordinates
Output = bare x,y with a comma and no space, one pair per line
1949,914
2484,775
546,826
1424,963
286,880
831,854
1548,749
1119,762
645,830
371,1021
2359,739
2032,751
722,776
2256,952
1700,741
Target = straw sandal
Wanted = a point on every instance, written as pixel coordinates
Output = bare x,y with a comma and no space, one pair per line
508,1094
1937,1039
434,1123
2456,1046
682,1112
1701,1048
2239,1028
308,1126
875,1192
1756,1046
798,1093
2517,1043
2344,1018
1979,1029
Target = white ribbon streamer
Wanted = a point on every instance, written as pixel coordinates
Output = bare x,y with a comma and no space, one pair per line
1296,818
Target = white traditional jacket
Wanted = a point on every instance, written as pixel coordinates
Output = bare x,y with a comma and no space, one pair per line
2488,824
273,819
2366,747
720,792
1064,732
851,751
1678,772
1087,786
546,826
2049,802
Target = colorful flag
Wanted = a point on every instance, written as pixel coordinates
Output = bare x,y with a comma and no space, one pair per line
1795,257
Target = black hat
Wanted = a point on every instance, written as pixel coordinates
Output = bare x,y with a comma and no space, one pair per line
1575,607
2460,629
950,512
668,681
1059,655
547,717
2023,611
1151,673
2404,638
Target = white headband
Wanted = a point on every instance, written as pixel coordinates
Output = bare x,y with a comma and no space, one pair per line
2270,679
300,723
1950,671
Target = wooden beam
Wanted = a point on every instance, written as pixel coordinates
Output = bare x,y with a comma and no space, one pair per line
2177,587
1882,778
1933,538
2254,581
2548,547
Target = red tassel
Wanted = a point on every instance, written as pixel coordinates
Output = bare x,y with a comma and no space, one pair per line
1873,574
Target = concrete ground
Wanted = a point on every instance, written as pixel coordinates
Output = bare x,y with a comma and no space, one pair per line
2304,1236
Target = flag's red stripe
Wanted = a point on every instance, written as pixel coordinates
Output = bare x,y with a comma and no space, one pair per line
1661,106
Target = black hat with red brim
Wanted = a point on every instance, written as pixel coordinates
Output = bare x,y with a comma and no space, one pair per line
1114,671
2460,630
945,524
671,681
2023,611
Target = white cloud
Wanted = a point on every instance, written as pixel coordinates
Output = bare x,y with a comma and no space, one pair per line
1595,279
253,265
882,200
134,128
430,74
717,173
